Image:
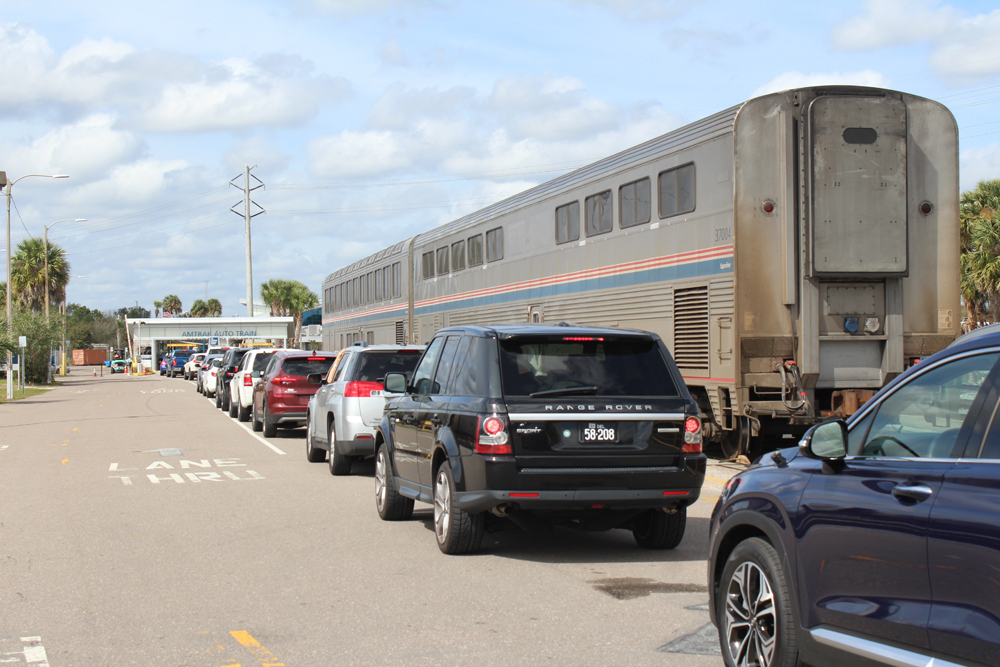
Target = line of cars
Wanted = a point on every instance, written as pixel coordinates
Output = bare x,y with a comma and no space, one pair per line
875,541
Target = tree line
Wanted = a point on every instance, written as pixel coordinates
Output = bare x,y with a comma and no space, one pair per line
979,210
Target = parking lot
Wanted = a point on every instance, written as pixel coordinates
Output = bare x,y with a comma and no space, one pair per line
141,525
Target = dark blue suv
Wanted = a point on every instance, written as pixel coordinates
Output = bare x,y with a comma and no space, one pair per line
877,541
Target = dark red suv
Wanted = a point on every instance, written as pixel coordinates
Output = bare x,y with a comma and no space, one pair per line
282,395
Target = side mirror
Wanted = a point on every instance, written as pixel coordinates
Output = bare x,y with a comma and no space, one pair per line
395,383
826,441
316,378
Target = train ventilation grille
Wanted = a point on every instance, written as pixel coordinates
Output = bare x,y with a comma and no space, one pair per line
691,328
400,335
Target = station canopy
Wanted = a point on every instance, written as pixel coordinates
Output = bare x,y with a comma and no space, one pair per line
211,330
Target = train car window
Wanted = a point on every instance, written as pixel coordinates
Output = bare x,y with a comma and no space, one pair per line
633,204
677,191
387,280
378,284
428,264
494,244
568,222
442,261
396,280
458,256
357,292
364,289
599,217
476,250
371,287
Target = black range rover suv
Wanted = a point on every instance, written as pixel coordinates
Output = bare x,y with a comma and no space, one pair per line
540,425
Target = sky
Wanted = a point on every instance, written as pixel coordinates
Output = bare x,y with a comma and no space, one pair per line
369,121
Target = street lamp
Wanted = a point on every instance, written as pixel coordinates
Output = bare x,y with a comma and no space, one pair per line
10,321
48,365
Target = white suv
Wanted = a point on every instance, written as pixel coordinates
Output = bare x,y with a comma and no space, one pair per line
345,412
192,366
246,377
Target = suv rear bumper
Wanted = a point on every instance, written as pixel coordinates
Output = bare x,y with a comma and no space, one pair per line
581,499
489,482
360,445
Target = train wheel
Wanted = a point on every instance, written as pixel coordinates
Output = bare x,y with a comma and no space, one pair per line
736,442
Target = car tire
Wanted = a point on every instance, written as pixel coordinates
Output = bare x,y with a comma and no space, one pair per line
654,529
759,631
270,430
390,504
457,531
218,398
254,422
313,453
234,408
243,414
339,464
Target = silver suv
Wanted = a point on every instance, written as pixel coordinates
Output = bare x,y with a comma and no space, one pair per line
345,413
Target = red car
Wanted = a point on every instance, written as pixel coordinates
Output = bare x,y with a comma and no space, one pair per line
282,395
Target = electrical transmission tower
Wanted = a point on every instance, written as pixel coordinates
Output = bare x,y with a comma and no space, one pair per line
247,215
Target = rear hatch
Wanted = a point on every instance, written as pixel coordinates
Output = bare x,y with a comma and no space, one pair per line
291,384
365,392
592,402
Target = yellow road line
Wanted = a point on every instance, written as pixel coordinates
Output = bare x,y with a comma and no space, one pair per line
265,657
716,479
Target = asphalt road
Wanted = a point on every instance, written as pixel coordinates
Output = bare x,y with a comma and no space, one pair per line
139,525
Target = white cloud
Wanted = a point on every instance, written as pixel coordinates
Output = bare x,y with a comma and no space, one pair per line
85,149
162,91
523,121
641,10
391,54
962,45
355,7
257,150
790,80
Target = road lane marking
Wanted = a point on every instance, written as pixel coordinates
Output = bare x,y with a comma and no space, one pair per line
248,430
65,461
265,657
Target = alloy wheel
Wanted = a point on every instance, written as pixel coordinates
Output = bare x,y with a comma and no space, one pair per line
442,507
380,480
750,617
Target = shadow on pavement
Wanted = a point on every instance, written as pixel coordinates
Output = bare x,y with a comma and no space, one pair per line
566,545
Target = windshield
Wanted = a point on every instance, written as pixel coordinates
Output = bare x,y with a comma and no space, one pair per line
260,361
596,367
307,365
374,365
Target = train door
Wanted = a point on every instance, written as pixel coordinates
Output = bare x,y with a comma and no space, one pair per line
536,314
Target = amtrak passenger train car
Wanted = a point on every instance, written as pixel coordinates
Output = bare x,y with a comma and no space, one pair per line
796,252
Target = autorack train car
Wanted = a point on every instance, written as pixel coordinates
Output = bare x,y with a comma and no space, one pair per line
796,252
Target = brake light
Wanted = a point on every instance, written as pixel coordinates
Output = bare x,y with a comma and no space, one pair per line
361,389
491,436
692,436
247,381
284,380
583,338
213,373
317,358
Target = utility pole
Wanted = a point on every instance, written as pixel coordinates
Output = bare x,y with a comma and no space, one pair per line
246,217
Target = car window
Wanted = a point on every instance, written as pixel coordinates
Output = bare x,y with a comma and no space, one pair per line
622,367
923,417
422,376
342,363
261,360
270,365
304,366
443,373
372,366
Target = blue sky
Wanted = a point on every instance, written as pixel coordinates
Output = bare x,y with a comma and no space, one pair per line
372,120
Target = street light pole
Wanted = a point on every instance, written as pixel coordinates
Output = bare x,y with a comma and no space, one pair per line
48,364
10,322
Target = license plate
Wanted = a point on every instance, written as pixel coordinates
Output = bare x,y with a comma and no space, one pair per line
598,433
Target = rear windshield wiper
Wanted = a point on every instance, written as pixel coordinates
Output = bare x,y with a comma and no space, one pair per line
566,391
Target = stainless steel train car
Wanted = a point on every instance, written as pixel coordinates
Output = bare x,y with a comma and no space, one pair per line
796,252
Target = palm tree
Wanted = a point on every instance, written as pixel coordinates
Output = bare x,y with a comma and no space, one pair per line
199,308
214,308
276,293
172,304
979,210
301,299
27,273
156,305
6,341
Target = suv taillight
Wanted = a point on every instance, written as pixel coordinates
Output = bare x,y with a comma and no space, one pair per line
491,436
284,379
362,389
692,436
247,380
